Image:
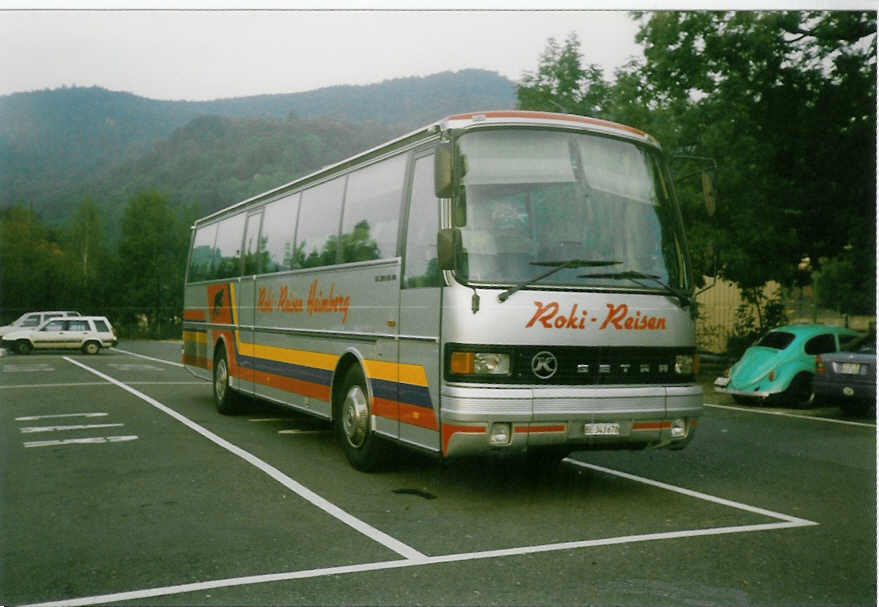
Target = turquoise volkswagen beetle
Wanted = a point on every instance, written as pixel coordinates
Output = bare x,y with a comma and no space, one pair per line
778,368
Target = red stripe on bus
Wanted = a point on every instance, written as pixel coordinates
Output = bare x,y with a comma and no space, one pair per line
197,315
651,425
405,413
418,416
538,429
448,431
550,116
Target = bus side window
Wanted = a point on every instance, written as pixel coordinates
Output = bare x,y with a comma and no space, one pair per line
422,265
317,235
201,258
227,260
276,237
372,211
251,242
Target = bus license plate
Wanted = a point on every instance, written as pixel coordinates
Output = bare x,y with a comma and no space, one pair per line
851,368
603,429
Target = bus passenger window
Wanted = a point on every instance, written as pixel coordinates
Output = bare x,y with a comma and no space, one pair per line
276,238
422,265
251,236
318,233
227,260
372,211
202,255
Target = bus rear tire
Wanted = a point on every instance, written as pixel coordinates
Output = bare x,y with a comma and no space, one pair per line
225,397
364,450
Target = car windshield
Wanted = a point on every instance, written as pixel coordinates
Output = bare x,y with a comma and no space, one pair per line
532,199
778,340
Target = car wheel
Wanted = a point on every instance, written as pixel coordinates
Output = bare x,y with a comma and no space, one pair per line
225,398
799,394
23,346
363,449
91,347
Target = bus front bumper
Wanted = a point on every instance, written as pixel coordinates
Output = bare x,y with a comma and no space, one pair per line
476,420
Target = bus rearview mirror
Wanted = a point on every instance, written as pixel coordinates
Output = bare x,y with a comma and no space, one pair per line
442,170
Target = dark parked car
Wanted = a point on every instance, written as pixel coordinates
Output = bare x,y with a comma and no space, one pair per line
848,377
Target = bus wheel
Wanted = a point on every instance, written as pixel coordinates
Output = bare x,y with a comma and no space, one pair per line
364,450
224,397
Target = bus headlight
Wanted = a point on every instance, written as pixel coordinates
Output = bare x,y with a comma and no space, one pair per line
479,363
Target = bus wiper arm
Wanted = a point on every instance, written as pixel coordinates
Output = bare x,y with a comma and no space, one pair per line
634,276
557,266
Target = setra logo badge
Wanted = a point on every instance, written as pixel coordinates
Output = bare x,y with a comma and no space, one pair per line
544,364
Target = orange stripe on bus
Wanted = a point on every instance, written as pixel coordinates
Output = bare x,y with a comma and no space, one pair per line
448,431
651,425
197,315
537,429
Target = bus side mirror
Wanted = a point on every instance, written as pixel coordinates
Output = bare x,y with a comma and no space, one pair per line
448,241
442,170
708,194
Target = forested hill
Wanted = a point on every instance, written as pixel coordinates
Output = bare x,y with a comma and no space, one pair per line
58,147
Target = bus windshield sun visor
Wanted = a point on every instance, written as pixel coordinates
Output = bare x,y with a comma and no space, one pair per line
556,267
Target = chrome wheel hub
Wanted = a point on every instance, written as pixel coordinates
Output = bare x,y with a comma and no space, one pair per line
355,417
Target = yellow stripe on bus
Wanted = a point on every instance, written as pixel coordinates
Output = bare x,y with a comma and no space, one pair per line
197,336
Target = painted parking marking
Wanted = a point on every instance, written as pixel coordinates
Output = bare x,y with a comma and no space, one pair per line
28,368
94,440
164,362
782,521
32,418
135,367
792,415
34,429
413,558
376,535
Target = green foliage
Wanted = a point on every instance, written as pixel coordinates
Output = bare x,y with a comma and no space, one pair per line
785,103
759,312
150,264
847,283
563,83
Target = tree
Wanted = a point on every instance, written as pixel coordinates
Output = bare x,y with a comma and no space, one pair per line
85,256
785,101
562,83
151,260
30,264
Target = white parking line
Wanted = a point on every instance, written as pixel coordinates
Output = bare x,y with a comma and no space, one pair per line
784,522
307,494
793,415
34,429
31,418
95,440
166,362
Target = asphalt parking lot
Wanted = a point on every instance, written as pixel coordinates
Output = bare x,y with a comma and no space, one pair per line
122,485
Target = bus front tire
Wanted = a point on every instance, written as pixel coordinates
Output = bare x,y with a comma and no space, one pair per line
364,450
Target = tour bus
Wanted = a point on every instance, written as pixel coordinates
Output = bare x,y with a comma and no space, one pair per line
505,281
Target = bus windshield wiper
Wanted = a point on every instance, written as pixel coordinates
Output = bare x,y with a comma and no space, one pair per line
635,276
556,267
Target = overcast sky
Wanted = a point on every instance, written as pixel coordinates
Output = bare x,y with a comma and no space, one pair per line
198,55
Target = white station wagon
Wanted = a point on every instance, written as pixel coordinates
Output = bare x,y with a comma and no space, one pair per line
32,320
86,333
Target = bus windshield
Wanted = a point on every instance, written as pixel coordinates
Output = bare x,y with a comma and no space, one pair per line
530,200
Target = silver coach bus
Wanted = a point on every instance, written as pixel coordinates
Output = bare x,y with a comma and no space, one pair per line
507,280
